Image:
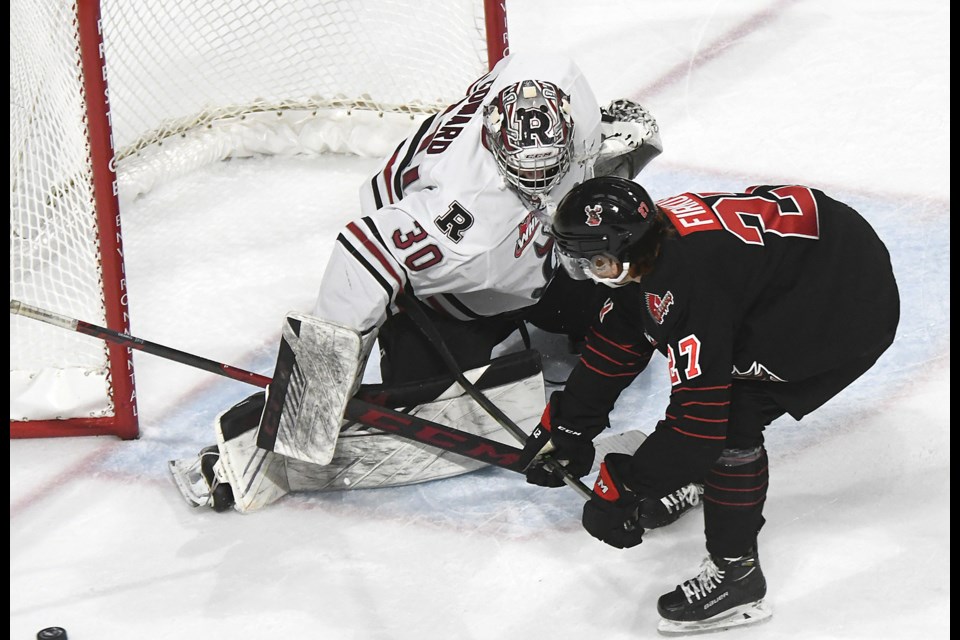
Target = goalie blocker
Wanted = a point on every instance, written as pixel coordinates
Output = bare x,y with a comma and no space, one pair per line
319,367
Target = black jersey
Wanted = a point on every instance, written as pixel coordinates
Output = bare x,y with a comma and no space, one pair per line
777,284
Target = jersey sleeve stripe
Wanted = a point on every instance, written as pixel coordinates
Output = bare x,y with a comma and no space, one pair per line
373,271
605,374
375,189
377,253
412,145
698,435
710,420
388,174
622,347
609,358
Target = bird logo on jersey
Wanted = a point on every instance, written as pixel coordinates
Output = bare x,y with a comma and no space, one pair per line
659,306
593,215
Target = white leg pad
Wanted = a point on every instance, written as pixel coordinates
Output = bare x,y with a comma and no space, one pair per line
367,458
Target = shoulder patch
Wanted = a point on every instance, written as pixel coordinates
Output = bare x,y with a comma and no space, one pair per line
658,306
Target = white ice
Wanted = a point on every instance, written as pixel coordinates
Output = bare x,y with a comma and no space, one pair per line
849,96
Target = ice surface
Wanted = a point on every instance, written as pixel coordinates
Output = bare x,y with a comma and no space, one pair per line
849,97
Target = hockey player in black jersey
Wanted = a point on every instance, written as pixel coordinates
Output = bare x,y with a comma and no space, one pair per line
766,302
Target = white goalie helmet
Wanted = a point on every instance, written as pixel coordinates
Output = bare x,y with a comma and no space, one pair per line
529,130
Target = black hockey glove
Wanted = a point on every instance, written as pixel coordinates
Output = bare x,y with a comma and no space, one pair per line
573,449
612,512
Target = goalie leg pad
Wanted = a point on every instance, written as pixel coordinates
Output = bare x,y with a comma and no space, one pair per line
318,370
367,458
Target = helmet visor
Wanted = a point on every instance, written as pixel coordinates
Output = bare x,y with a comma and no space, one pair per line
599,267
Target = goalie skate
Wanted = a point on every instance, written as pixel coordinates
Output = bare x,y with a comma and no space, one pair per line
186,474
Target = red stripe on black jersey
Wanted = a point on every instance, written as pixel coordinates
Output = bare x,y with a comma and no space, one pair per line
612,359
700,412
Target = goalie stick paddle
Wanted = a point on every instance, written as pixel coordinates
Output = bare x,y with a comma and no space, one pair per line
359,410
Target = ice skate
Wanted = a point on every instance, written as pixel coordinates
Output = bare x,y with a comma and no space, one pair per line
197,481
728,593
659,513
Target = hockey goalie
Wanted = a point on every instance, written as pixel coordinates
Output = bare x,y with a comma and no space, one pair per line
454,223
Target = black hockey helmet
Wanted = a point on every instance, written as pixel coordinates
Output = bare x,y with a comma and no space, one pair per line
598,223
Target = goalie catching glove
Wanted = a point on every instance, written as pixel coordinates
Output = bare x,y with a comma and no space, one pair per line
631,139
569,447
612,514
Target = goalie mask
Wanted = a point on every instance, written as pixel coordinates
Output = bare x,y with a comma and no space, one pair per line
599,224
528,129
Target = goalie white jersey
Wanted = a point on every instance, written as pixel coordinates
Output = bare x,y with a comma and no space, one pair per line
440,221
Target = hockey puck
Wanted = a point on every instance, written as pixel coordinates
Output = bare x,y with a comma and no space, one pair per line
52,633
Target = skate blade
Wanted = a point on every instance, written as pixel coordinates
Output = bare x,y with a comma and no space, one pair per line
751,613
186,474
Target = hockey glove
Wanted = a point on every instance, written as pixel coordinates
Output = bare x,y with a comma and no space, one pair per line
612,512
570,448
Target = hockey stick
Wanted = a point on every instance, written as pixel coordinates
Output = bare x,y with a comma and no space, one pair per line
430,331
360,410
71,324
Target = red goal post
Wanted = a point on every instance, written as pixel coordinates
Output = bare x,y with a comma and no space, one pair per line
110,98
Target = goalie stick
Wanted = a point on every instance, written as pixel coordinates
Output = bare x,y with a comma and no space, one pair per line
358,409
365,408
71,324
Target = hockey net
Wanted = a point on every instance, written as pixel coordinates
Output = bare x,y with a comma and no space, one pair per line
109,99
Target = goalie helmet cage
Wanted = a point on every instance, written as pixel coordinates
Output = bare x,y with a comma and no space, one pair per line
109,98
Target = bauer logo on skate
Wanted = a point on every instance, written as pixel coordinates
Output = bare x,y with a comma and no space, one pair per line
715,601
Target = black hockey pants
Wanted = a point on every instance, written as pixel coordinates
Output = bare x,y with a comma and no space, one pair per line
567,307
